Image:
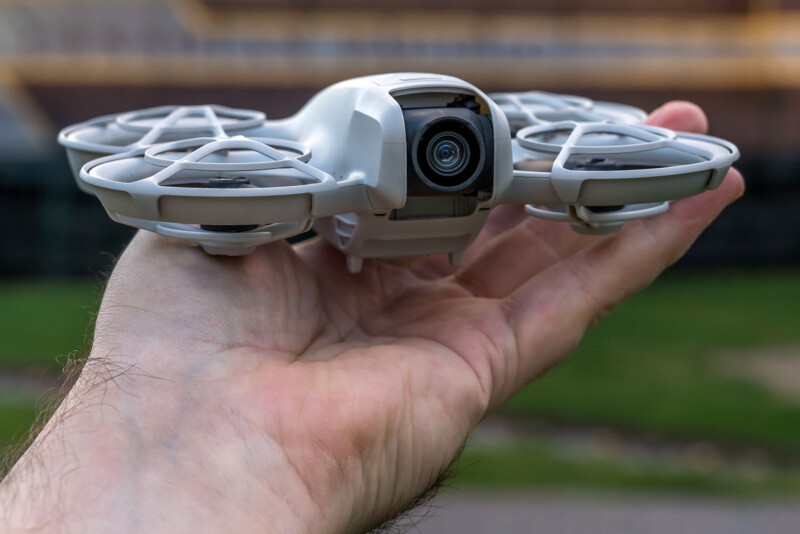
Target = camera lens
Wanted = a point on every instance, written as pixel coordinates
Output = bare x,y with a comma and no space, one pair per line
448,153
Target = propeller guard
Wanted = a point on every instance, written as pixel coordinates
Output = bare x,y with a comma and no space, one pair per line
670,166
135,184
537,107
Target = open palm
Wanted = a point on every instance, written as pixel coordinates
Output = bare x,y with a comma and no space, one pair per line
358,390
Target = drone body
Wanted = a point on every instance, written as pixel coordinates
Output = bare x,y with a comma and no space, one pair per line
386,166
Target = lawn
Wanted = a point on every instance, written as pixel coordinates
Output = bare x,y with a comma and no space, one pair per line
534,464
45,321
656,364
655,367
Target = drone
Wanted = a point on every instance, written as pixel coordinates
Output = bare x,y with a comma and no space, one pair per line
384,166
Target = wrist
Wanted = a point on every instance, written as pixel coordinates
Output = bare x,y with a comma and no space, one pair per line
128,451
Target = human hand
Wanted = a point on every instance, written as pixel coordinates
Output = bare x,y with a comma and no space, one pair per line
278,392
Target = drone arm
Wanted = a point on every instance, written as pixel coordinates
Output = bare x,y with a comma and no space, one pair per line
530,187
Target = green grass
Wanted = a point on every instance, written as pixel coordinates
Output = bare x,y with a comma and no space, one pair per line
16,417
538,465
44,321
654,364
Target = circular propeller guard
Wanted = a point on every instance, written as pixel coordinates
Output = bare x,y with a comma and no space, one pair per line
208,196
537,108
606,174
113,134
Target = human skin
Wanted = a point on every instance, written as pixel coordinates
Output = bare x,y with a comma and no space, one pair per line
276,392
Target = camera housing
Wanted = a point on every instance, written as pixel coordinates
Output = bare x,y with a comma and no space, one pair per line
386,126
450,151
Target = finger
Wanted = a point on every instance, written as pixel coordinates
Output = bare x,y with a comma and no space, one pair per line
551,312
511,259
680,116
512,256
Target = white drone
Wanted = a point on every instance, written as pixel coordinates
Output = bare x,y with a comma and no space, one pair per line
387,166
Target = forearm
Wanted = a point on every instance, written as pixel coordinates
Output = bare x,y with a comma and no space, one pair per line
124,453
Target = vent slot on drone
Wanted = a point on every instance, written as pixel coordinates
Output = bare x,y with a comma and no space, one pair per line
434,99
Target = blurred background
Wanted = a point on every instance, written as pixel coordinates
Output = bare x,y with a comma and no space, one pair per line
680,411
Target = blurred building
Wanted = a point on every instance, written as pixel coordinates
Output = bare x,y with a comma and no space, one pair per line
63,61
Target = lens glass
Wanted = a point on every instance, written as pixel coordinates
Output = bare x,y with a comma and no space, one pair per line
448,153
